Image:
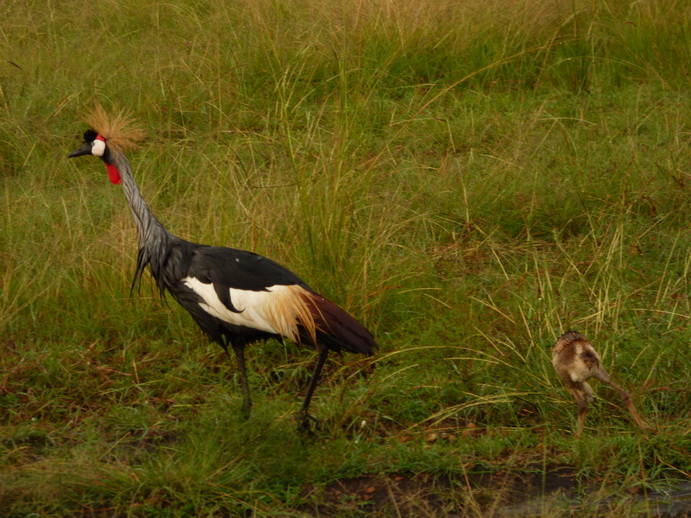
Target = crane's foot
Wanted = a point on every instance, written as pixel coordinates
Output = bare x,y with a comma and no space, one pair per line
647,429
246,409
307,424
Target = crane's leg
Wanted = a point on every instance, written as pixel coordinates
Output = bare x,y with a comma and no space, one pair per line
244,385
303,415
626,398
582,409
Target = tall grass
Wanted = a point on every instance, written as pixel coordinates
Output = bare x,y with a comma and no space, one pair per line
469,180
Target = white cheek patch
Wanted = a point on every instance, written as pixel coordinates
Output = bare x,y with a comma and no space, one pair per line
98,147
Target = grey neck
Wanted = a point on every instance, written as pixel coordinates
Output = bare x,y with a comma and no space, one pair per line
151,234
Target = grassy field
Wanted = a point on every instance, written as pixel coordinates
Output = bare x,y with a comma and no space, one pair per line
470,179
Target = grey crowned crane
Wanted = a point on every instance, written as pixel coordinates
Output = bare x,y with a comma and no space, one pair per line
236,297
576,361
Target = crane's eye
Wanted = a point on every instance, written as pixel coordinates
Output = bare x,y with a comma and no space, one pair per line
98,147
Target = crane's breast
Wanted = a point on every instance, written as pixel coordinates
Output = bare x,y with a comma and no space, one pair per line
278,309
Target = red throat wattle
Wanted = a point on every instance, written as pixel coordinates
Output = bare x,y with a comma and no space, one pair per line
113,174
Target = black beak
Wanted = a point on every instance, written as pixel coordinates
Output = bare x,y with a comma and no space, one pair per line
84,150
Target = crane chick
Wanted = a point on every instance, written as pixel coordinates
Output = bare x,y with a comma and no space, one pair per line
576,361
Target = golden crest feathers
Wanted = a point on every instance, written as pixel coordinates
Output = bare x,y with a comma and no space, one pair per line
119,128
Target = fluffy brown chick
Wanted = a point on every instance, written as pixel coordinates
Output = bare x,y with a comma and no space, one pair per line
576,361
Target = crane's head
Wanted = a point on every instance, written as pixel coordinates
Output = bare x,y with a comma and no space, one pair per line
94,144
109,135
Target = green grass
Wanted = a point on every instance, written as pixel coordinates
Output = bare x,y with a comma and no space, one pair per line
469,182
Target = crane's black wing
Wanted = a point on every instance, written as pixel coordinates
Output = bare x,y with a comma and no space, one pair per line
226,269
238,269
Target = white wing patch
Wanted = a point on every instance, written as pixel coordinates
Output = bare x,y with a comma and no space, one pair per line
278,310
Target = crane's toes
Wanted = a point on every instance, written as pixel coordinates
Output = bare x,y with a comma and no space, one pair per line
307,424
306,420
246,410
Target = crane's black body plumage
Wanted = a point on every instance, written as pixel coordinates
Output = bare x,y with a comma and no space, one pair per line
235,296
